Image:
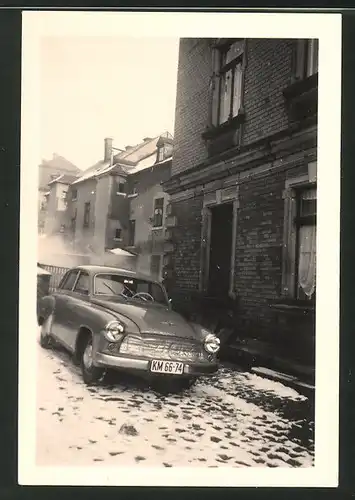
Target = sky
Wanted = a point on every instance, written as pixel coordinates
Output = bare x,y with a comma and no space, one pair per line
97,87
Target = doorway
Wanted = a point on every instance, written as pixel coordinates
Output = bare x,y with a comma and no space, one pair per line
220,252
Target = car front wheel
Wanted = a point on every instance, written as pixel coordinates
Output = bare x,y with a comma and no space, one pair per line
45,339
91,374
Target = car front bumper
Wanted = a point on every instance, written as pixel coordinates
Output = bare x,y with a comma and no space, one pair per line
143,365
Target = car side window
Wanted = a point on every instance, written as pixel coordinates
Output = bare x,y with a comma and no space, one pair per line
69,280
82,285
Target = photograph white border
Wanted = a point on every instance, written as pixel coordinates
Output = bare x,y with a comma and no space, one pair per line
326,27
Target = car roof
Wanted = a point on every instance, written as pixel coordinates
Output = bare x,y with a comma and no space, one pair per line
95,269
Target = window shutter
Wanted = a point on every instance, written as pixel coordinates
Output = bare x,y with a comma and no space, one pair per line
237,89
300,59
215,84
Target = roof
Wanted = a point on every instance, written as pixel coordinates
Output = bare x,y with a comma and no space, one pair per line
95,269
60,162
141,167
131,160
64,179
55,167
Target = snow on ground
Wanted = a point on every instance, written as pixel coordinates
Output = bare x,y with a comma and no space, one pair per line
233,419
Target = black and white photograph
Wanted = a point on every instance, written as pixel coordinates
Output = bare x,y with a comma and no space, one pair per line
179,249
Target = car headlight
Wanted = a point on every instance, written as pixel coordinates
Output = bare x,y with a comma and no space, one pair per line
212,343
114,331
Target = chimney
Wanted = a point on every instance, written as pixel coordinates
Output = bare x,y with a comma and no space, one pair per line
108,148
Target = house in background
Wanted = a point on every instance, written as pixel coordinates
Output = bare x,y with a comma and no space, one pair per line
56,204
48,171
243,192
119,202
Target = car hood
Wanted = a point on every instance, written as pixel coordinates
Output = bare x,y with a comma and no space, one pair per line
151,318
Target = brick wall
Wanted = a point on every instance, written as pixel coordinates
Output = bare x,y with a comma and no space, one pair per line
259,240
188,238
268,72
192,104
259,250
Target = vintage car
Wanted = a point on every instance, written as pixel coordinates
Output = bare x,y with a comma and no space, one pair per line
110,318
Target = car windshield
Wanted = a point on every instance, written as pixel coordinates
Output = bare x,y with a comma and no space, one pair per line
129,288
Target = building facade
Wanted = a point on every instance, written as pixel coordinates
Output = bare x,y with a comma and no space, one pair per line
49,170
118,202
241,241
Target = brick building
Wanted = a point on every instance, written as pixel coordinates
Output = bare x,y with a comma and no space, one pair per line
242,214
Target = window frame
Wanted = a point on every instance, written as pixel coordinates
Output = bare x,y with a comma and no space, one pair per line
219,70
118,238
294,187
65,279
86,220
301,58
121,188
131,234
155,199
81,292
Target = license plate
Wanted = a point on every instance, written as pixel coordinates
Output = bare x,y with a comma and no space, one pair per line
169,367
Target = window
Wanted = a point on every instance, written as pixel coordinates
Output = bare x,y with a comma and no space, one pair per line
118,233
135,188
158,212
300,230
131,233
73,221
64,195
116,284
155,264
306,58
160,153
306,243
82,285
87,214
68,281
121,187
227,81
74,194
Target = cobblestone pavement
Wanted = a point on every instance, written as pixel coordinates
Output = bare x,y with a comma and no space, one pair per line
234,419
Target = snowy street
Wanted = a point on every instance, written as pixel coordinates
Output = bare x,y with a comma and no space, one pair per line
234,419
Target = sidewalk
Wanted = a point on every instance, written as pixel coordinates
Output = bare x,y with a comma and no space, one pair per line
261,358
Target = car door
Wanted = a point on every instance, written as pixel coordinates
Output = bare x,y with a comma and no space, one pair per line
77,312
63,306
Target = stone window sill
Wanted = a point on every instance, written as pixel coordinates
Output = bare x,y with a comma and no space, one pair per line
233,123
292,305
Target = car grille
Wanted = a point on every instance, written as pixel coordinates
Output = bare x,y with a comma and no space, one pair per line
163,348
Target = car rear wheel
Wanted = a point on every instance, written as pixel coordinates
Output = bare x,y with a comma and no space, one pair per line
91,374
45,338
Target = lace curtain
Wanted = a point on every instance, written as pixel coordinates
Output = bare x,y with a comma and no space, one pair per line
307,253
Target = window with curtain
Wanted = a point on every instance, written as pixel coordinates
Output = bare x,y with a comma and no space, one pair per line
306,249
227,81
